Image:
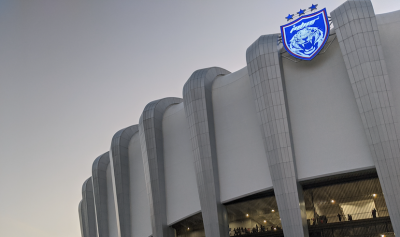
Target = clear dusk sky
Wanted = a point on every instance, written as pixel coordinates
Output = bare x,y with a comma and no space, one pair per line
74,72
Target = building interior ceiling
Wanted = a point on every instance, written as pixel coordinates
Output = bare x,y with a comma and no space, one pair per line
259,210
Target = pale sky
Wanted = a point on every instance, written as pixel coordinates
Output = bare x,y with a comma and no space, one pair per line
74,72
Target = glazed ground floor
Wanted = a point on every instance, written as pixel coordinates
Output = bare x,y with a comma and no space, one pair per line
342,205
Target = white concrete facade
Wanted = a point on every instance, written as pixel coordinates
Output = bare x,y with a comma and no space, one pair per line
112,214
212,147
141,223
182,194
238,136
321,102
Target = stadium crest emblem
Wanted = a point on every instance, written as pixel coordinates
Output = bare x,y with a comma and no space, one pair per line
307,35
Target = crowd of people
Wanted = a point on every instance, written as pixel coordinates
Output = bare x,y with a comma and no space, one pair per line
315,221
350,217
243,231
323,219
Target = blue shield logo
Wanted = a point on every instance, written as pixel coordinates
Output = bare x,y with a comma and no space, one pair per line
306,36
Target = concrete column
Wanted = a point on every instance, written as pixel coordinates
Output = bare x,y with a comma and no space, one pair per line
89,211
120,173
264,68
197,95
151,142
82,219
99,177
359,40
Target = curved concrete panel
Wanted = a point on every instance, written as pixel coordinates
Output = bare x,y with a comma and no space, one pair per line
151,140
180,176
112,214
89,209
388,20
264,68
359,40
99,177
120,172
81,219
197,95
140,209
240,147
328,135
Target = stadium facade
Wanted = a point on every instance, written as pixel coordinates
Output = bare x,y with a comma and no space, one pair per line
281,147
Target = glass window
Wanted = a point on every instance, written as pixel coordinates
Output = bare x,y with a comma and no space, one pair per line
356,200
190,227
257,215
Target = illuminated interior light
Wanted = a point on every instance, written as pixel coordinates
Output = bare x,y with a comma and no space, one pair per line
374,195
332,201
265,221
273,210
247,215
